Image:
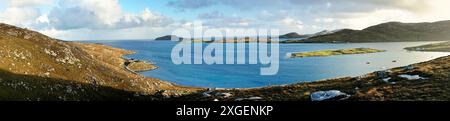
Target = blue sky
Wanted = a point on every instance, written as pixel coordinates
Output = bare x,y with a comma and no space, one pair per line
146,19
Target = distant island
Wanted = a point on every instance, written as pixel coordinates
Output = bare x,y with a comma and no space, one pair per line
323,53
436,47
386,32
169,37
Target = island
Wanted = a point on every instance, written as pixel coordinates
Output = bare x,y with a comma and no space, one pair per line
169,37
336,52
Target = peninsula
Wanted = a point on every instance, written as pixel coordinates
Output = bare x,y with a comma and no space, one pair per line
435,47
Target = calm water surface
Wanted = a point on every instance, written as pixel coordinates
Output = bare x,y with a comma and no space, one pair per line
291,70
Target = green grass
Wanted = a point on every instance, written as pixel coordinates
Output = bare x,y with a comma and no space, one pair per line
336,52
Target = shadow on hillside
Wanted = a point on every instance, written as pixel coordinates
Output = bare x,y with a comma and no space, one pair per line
18,87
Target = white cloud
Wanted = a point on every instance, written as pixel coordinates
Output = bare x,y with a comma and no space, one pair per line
363,20
83,19
324,20
291,22
217,19
25,3
328,4
21,12
19,16
100,14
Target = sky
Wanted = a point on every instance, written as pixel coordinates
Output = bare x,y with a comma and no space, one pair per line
147,19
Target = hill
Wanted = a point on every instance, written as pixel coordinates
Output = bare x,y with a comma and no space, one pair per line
36,67
388,32
293,35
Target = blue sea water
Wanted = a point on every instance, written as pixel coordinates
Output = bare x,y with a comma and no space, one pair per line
291,70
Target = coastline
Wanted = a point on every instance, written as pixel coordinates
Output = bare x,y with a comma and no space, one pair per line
340,83
368,87
115,58
433,47
282,42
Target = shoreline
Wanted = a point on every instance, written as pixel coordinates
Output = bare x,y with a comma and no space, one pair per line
119,61
52,69
433,47
137,72
264,93
358,42
367,87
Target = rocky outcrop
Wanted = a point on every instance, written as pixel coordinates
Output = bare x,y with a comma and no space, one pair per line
138,65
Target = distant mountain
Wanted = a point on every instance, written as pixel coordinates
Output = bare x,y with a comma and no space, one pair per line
325,32
293,35
169,37
388,32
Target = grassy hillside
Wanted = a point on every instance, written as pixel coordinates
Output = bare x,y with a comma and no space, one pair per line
293,35
46,61
388,32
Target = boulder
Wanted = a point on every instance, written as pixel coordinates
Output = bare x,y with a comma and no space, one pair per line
410,67
382,74
411,77
250,99
224,95
328,95
206,94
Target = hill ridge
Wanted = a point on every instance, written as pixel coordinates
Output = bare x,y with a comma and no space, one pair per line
388,32
26,52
